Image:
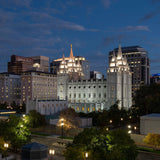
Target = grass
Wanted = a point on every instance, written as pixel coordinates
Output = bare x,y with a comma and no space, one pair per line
149,150
69,138
40,134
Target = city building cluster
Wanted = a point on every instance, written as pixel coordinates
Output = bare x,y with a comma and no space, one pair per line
68,82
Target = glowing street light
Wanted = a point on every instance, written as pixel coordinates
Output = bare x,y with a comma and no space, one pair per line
62,124
110,121
107,129
121,119
51,153
6,145
129,126
86,155
135,128
129,131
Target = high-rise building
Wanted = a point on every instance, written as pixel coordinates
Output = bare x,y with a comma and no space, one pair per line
41,62
19,64
38,85
10,88
76,66
138,61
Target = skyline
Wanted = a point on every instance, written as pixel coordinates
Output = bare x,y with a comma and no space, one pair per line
30,28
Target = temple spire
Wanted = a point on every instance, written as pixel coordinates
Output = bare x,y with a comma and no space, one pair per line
63,57
71,53
119,55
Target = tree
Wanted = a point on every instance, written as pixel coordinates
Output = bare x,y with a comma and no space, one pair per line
2,149
152,139
70,118
147,99
36,119
18,132
100,144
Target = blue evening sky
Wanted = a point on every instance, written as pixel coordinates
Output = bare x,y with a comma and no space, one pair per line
94,27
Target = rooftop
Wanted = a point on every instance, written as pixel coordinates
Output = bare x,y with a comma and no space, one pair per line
156,115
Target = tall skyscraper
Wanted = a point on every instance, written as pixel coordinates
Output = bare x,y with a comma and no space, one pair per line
139,64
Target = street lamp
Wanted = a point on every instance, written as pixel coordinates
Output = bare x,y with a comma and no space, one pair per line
129,131
121,119
6,145
86,155
107,129
110,121
51,153
129,126
62,124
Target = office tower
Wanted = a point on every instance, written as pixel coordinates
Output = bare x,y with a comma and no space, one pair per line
138,61
41,63
19,64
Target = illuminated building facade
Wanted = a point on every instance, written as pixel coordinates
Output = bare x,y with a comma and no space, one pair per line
10,88
76,66
98,94
138,62
40,85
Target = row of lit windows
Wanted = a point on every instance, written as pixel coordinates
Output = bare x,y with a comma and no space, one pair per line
89,95
85,87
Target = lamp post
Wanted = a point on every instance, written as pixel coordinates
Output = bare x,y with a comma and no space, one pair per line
62,124
6,145
51,153
86,155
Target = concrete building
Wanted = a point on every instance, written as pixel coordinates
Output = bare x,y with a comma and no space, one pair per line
95,95
19,64
139,64
10,88
46,107
76,66
41,63
150,123
41,85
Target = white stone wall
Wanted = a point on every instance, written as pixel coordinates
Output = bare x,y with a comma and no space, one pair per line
45,107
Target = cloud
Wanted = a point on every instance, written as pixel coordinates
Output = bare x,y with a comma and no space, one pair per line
15,3
106,3
155,1
114,39
150,15
135,28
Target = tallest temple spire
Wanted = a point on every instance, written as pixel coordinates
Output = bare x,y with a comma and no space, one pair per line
119,55
71,53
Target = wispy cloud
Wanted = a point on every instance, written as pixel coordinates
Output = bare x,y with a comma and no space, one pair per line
150,15
135,28
106,3
15,3
114,39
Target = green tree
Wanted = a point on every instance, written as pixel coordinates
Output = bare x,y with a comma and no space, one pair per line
18,132
70,118
147,99
100,144
36,119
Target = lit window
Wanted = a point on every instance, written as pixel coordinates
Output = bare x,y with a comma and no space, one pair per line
82,108
88,109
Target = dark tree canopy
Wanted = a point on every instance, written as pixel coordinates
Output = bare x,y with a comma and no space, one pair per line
100,144
147,99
